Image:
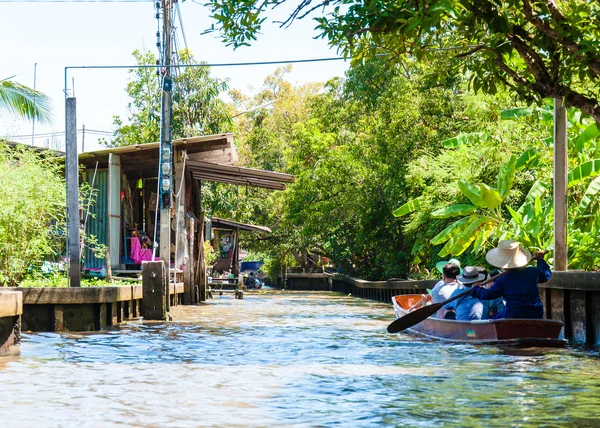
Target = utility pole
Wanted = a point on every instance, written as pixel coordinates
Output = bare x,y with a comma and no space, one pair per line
83,140
33,119
560,186
165,166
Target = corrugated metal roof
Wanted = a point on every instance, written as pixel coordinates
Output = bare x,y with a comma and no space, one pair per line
96,223
191,143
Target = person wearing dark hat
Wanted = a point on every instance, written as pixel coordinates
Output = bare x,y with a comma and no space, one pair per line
470,308
519,286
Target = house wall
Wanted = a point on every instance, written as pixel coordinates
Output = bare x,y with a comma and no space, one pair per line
97,220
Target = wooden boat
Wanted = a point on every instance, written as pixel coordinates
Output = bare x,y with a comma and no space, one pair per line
513,332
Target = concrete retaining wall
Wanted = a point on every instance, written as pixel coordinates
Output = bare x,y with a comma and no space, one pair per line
11,308
571,297
85,308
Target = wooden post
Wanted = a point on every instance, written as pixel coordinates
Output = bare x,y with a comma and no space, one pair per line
560,186
201,261
72,176
236,253
180,210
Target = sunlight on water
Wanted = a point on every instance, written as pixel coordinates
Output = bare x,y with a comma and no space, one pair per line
288,359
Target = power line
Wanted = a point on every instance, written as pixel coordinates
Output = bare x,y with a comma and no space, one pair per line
224,64
60,133
76,1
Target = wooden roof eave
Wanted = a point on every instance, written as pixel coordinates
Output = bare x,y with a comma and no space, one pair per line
236,171
219,222
245,181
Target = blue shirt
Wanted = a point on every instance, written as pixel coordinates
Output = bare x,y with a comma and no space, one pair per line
519,288
469,308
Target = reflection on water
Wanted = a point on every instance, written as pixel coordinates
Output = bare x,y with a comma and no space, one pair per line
292,359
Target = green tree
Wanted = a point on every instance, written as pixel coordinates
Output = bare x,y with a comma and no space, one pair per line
24,102
197,108
537,48
351,144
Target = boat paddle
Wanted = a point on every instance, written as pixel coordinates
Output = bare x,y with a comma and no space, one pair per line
425,312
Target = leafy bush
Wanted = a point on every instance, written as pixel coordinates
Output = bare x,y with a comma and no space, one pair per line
32,211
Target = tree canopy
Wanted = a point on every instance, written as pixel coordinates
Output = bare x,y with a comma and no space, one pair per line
197,108
537,48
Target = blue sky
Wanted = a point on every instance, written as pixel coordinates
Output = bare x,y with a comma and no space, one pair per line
55,35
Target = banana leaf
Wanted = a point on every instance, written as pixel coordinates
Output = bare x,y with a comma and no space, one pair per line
586,135
583,171
470,192
516,113
462,242
408,207
588,196
451,231
526,158
537,190
454,211
506,176
463,139
490,198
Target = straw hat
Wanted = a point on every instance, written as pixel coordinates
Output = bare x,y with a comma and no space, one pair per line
469,275
508,255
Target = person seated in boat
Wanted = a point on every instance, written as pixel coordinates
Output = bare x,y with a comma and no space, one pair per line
519,285
470,308
447,288
251,282
491,308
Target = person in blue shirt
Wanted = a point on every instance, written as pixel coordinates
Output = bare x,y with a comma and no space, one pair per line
469,308
519,286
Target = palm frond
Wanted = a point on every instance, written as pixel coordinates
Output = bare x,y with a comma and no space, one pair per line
25,102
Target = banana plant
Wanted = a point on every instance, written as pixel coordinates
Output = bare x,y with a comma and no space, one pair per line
477,218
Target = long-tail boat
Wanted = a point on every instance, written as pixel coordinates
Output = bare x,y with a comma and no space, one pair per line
513,332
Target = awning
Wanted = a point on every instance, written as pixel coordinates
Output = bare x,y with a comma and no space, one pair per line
226,224
237,175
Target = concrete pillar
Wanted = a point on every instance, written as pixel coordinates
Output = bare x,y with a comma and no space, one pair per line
155,291
577,315
560,186
59,324
72,176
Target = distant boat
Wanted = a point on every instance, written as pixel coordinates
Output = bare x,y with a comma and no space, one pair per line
513,332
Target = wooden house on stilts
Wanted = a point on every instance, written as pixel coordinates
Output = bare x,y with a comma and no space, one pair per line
124,215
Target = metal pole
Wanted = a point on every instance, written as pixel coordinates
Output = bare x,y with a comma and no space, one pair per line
33,119
560,186
165,166
72,176
83,140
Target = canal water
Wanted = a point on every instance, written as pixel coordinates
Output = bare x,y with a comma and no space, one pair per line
303,359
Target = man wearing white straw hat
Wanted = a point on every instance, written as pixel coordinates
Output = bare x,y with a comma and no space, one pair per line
519,286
